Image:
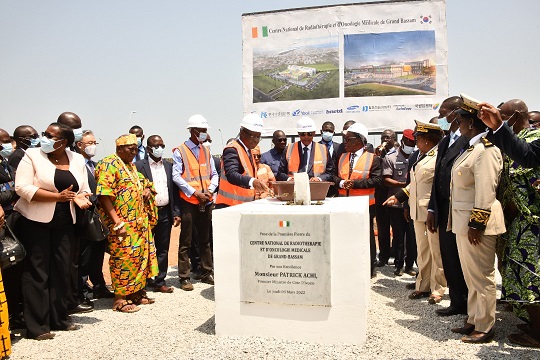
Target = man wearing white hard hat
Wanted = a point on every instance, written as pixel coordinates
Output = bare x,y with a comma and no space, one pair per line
238,180
195,174
306,156
359,172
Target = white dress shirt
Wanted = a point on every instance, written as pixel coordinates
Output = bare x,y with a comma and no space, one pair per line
160,181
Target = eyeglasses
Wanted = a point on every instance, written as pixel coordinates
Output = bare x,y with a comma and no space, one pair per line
49,136
252,136
257,156
281,140
30,137
305,134
158,146
90,143
347,139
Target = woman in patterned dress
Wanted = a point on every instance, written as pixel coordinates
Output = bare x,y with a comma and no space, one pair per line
128,208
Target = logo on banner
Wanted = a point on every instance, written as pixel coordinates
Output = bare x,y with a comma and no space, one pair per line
436,106
402,108
284,223
425,19
256,32
264,114
365,108
352,108
297,112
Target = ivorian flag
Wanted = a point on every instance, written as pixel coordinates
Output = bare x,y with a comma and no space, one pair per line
255,32
284,223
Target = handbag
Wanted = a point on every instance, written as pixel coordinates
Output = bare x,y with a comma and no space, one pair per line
90,225
11,249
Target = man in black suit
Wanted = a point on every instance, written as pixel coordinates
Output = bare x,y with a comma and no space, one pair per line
327,133
91,252
450,148
306,156
141,150
25,137
159,171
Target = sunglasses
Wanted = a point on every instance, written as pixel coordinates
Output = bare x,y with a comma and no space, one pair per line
305,134
281,140
258,156
49,136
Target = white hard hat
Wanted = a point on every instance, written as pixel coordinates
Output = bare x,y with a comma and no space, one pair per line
197,121
359,129
253,122
305,124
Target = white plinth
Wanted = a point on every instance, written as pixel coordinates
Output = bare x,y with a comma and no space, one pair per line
342,322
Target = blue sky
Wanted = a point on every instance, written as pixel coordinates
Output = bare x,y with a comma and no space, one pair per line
170,59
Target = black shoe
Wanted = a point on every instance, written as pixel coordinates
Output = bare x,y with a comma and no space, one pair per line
410,271
16,322
83,307
208,279
477,337
101,292
196,275
380,263
450,311
398,272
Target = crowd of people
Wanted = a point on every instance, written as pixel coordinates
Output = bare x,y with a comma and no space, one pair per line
453,195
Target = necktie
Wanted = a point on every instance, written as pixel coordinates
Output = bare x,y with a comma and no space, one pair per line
91,167
351,163
303,161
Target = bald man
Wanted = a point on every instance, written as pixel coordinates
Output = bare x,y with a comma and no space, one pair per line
74,122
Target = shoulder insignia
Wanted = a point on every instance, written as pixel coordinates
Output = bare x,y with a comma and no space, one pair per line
431,153
471,148
486,142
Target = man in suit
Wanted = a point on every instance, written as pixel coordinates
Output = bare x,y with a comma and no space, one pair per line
353,180
159,171
141,150
238,181
76,304
306,156
272,157
327,134
449,149
91,252
25,137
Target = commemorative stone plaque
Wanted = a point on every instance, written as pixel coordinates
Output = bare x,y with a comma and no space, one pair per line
285,259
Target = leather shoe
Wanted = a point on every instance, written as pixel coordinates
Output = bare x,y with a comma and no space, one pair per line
398,272
45,336
164,289
101,292
477,337
208,279
410,271
467,329
434,299
186,285
418,295
380,263
196,275
83,307
450,311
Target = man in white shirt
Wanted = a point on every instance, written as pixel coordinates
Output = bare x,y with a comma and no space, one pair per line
159,171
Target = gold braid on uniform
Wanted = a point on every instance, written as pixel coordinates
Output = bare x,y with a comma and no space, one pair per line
486,142
479,218
403,195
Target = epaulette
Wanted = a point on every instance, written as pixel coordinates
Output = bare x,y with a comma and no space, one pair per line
431,153
479,218
470,148
486,142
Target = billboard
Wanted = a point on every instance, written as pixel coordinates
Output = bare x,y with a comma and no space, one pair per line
383,64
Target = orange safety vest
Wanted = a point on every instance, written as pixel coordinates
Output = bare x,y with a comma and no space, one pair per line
197,173
319,158
360,171
228,193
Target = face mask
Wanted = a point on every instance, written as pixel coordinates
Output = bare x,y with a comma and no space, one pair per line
34,142
47,145
158,152
139,141
202,137
407,149
78,134
7,149
327,136
444,124
90,150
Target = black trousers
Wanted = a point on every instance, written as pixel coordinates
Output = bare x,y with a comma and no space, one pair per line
162,239
399,226
411,251
458,290
74,295
46,273
91,265
383,228
192,217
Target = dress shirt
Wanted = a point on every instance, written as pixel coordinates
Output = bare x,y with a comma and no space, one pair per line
475,139
302,146
453,137
358,154
251,158
178,169
160,181
90,166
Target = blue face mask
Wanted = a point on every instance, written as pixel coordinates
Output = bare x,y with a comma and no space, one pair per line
444,124
139,141
78,134
7,149
34,142
327,136
47,145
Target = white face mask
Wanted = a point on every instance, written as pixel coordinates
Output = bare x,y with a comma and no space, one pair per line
158,152
444,124
202,137
90,150
327,136
407,149
78,134
7,149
